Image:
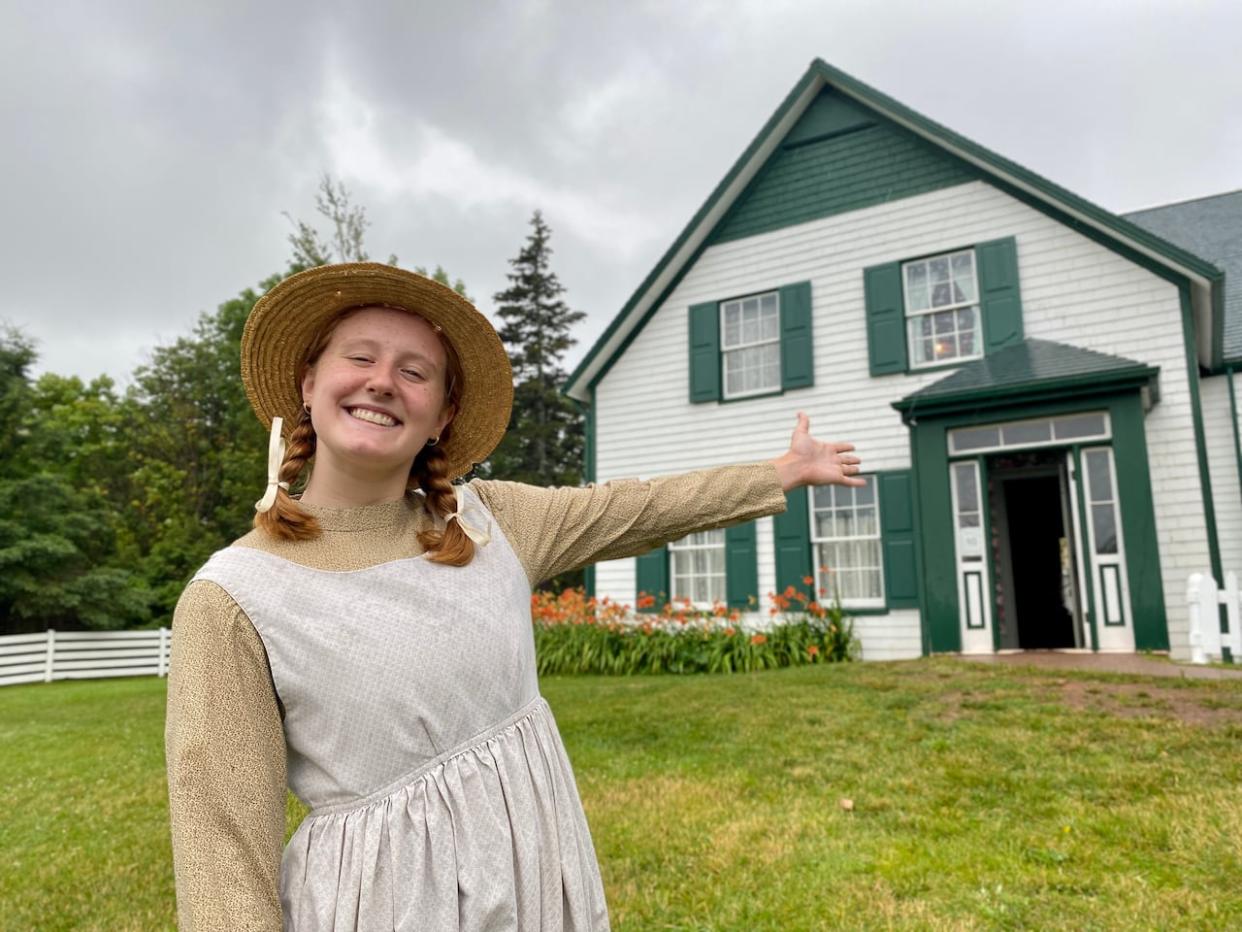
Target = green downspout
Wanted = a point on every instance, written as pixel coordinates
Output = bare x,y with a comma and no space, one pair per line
1233,410
1237,453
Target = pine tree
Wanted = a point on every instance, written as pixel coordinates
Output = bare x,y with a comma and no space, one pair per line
545,438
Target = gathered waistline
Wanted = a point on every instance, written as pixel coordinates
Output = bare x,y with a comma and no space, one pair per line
409,778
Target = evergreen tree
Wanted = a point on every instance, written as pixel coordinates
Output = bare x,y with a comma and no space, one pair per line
545,438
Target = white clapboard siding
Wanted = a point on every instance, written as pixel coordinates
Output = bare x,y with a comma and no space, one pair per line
60,655
1223,466
1073,290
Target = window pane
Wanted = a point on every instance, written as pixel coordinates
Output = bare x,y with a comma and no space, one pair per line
750,327
771,325
866,521
968,519
1080,425
1101,488
732,324
1104,523
821,496
964,276
864,495
974,438
967,489
942,294
916,286
768,303
938,270
944,323
1033,432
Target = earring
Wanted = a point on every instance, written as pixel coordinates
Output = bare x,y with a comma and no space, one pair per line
433,441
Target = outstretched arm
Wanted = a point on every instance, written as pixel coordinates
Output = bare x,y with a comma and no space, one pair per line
556,529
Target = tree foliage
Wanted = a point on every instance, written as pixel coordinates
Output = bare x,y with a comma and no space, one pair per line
544,443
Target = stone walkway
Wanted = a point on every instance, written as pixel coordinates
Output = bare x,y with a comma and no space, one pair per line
1137,664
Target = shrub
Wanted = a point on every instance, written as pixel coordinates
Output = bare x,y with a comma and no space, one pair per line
577,634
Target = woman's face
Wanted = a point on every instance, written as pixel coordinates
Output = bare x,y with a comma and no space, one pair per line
377,393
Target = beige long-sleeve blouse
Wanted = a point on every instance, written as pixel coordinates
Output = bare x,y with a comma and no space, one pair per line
224,739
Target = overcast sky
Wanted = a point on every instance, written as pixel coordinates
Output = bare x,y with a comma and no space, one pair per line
149,153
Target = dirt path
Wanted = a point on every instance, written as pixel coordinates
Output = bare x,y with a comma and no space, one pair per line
1137,664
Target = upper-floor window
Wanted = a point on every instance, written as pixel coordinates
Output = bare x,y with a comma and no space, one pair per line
697,568
750,345
942,308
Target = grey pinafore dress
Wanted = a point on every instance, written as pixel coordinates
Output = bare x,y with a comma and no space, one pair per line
442,797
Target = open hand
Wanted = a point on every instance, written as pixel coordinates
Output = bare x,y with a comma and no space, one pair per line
816,462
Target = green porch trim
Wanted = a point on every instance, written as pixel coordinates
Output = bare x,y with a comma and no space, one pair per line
1030,370
929,449
1196,410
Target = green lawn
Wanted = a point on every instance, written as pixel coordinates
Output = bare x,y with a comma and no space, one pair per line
983,797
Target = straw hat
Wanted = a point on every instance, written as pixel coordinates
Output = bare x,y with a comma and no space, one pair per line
284,321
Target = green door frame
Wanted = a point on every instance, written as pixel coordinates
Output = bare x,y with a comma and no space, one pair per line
939,607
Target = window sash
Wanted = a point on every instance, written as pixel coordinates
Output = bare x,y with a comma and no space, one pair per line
741,358
697,568
970,301
854,557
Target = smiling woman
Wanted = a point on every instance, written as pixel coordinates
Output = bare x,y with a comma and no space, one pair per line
332,652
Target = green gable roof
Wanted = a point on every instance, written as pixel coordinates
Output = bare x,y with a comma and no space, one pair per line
1210,227
786,131
1032,369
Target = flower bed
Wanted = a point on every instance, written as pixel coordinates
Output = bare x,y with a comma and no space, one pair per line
577,634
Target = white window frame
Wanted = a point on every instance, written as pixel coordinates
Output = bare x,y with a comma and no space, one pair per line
687,544
913,316
726,350
826,584
1058,437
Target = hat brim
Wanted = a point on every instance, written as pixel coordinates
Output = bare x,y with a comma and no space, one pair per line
282,324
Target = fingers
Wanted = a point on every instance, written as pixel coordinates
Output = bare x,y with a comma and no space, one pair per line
804,423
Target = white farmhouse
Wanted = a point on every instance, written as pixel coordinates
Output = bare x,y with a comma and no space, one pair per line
1041,390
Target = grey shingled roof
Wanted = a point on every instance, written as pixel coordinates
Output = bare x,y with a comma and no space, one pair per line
1210,227
1027,366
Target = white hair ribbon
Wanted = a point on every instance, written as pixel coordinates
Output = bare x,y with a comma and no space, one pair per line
275,459
479,535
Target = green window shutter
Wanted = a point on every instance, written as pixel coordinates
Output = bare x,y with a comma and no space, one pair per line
652,573
897,533
797,361
792,531
588,580
741,565
705,352
999,298
886,318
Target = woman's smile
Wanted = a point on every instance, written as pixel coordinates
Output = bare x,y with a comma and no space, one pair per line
377,396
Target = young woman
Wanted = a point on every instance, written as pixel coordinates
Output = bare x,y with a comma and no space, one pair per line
368,645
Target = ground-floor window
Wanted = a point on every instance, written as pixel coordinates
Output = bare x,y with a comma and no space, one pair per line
697,567
845,537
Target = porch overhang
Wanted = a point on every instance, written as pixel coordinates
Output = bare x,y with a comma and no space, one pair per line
1030,371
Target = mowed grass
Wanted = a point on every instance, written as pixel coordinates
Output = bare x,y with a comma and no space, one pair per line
983,797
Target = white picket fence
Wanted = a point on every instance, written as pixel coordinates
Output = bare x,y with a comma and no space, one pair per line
1207,641
79,655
